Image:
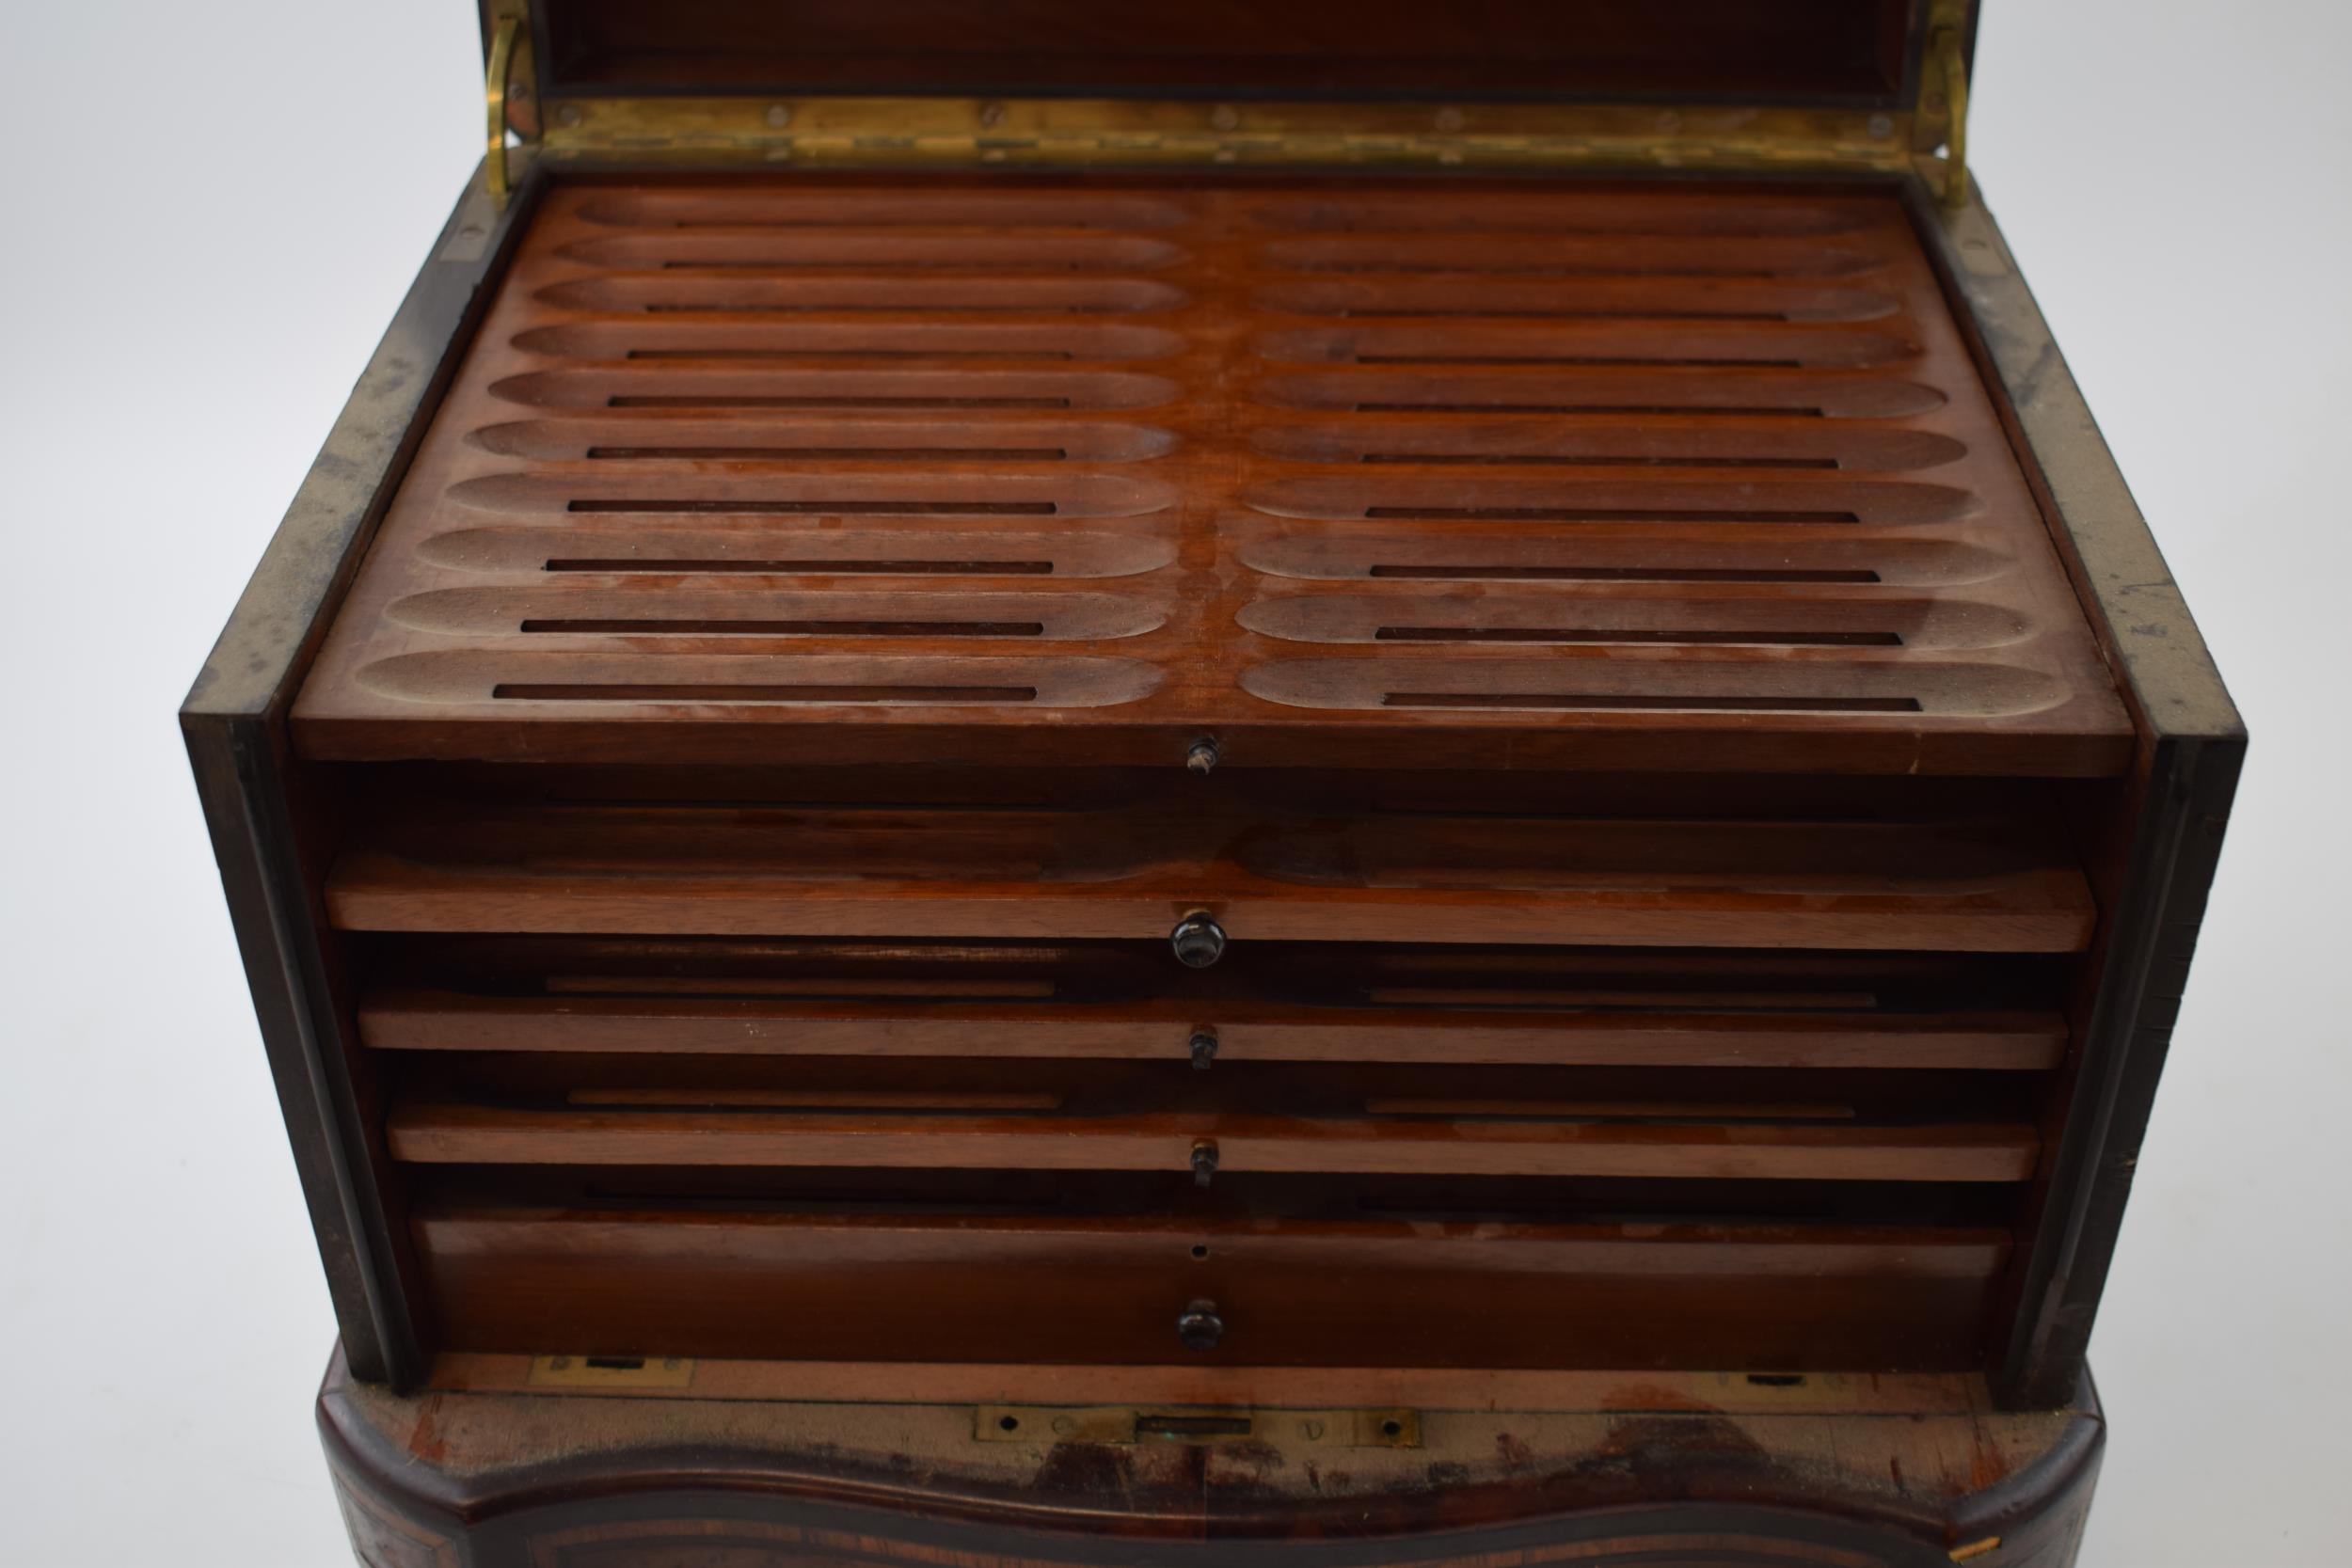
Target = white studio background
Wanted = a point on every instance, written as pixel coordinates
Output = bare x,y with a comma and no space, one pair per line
209,213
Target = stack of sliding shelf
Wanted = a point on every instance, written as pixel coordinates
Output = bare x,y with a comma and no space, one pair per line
1276,772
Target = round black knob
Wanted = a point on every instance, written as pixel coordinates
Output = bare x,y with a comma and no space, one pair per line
1203,1049
1198,940
1199,1326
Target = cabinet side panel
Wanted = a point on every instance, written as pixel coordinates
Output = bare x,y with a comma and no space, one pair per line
2191,747
233,723
2152,929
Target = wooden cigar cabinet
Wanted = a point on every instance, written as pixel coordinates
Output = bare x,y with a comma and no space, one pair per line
1195,783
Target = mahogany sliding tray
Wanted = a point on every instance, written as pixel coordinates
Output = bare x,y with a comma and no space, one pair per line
1386,476
983,781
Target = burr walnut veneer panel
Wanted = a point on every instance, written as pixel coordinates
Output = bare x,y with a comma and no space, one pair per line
1378,474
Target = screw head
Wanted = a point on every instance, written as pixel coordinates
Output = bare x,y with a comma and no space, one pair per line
1198,940
1199,1326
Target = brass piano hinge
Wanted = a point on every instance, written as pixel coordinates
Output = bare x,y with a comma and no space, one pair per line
1125,1425
509,93
616,1373
829,131
1944,99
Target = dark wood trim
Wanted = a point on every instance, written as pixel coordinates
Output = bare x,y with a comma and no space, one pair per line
2152,935
2151,641
237,778
265,648
2021,1505
2192,745
233,723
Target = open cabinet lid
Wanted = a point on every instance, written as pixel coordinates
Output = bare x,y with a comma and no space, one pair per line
1807,83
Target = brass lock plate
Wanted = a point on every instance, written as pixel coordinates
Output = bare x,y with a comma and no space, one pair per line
610,1371
1127,1425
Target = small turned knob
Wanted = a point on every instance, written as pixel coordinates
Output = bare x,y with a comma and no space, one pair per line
1202,756
1199,1326
1203,1049
1203,1162
1198,940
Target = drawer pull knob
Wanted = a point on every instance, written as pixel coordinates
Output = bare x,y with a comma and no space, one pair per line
1198,940
1203,1162
1203,754
1199,1326
1203,1049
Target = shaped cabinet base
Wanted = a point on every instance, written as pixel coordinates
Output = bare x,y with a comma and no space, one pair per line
508,1462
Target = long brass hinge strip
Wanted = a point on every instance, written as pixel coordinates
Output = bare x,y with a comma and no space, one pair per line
952,131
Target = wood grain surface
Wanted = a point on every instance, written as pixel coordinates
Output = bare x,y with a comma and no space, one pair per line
1110,1290
1557,476
1964,875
